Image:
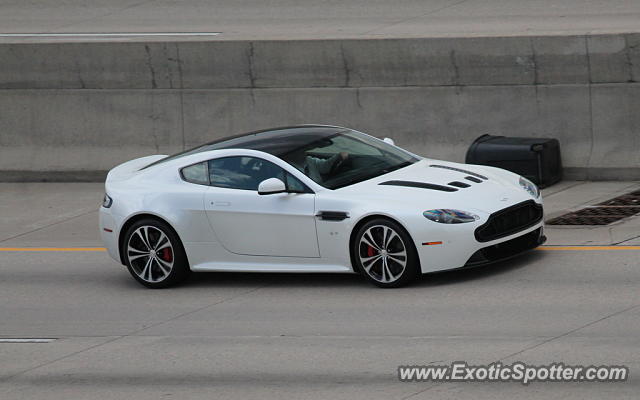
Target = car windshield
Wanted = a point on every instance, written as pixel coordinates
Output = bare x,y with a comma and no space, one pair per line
333,157
345,158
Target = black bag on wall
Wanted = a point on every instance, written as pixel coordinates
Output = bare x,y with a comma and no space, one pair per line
537,159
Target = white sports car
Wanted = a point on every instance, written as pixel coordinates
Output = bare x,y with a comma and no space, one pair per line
313,198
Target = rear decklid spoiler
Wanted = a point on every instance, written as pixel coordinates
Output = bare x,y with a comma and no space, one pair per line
130,168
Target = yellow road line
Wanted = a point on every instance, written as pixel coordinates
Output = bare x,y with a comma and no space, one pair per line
52,249
587,248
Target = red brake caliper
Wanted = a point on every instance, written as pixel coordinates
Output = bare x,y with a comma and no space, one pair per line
167,255
371,251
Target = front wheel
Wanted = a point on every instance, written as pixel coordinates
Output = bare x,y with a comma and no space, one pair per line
154,254
385,254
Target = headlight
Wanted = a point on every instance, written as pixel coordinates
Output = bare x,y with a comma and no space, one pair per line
447,216
529,187
107,201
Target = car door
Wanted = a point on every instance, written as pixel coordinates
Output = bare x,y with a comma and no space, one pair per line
247,223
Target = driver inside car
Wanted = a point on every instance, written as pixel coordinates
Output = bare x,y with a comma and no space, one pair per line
318,168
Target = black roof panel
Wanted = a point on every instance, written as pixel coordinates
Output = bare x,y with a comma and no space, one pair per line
276,141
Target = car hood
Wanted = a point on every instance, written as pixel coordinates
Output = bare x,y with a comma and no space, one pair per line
499,190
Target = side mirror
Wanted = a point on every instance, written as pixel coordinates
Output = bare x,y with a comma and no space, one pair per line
389,140
271,186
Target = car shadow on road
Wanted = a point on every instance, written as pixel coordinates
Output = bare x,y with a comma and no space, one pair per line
461,275
211,279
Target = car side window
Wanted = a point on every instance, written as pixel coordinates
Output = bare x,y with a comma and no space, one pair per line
246,173
295,185
196,173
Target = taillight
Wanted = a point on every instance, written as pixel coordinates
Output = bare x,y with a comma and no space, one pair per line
107,201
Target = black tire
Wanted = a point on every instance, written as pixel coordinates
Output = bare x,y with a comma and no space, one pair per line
387,270
160,268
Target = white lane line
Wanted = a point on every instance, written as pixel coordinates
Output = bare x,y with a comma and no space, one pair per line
26,340
119,34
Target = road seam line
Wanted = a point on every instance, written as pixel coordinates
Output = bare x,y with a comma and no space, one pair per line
569,332
46,226
129,334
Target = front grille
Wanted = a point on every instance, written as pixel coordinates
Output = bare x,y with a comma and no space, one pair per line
509,221
508,249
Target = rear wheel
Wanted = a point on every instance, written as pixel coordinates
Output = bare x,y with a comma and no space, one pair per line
154,254
385,254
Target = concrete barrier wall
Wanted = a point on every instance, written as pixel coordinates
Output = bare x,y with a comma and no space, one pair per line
73,110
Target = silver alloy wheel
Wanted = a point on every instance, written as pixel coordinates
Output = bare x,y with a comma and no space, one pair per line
150,254
382,253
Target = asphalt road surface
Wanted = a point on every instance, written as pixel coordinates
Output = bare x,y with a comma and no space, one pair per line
306,19
257,336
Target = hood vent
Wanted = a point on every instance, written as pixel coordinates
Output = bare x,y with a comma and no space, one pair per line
459,170
459,184
472,179
421,185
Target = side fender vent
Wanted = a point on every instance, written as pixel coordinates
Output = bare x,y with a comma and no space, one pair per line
332,215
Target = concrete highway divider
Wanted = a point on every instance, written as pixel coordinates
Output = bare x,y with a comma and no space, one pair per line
71,111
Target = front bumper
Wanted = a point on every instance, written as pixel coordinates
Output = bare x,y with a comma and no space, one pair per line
109,233
506,250
456,245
